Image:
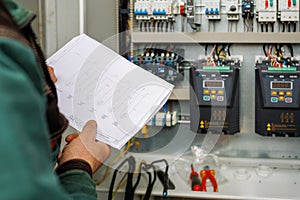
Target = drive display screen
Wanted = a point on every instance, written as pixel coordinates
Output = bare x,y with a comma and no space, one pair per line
281,85
213,84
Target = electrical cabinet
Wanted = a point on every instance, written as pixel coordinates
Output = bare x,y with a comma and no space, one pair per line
168,37
248,26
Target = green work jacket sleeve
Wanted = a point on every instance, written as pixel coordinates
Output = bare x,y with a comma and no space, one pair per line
26,167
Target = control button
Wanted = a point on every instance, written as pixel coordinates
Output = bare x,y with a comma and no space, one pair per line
281,76
293,76
288,100
232,8
213,92
274,99
220,98
274,93
213,96
206,91
220,91
225,75
281,98
288,93
206,98
281,93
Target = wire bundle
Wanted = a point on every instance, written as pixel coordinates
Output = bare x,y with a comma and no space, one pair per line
130,188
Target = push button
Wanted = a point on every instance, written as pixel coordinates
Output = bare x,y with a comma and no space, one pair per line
288,100
281,98
206,91
206,98
274,99
281,93
274,93
220,92
213,96
288,93
213,92
220,98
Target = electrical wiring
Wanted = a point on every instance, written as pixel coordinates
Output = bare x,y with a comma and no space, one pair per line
132,170
228,49
106,173
283,27
122,181
150,182
130,189
272,27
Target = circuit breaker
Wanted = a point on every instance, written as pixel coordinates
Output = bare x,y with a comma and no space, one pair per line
142,9
161,9
288,10
215,88
277,98
212,9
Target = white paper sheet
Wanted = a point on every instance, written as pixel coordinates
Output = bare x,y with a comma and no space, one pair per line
95,83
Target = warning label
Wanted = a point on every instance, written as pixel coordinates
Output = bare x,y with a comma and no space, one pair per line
283,127
207,124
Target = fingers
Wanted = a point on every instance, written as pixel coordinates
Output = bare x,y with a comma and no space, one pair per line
52,74
89,130
71,137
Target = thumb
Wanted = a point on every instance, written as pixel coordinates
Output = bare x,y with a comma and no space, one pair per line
89,130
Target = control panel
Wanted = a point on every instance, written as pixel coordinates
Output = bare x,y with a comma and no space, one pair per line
277,98
215,96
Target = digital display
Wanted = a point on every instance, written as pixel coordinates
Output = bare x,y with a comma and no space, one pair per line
281,85
213,84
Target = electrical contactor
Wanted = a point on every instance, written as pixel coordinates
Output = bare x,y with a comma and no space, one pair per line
215,96
288,10
277,97
267,10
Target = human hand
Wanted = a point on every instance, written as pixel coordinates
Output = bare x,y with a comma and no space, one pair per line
52,74
84,146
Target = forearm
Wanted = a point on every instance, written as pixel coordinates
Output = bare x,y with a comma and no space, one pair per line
79,184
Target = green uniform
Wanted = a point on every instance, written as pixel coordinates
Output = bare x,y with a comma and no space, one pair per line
26,165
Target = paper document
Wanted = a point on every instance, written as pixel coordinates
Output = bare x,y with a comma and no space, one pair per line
95,83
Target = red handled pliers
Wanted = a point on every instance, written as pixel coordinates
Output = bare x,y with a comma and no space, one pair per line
210,174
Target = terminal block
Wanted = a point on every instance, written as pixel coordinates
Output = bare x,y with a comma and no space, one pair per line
248,9
267,10
162,63
212,9
288,10
232,9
